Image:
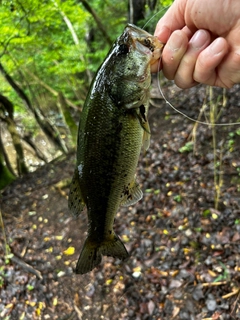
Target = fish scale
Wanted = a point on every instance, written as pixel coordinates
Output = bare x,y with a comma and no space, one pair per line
112,128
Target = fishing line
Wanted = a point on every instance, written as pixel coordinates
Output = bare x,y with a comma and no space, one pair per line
154,16
182,113
168,102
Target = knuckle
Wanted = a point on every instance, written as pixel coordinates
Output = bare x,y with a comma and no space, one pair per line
236,60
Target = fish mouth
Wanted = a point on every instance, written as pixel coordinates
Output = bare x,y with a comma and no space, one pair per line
145,43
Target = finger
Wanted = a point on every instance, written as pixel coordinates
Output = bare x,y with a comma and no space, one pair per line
229,71
184,75
188,32
172,20
173,52
182,40
156,66
208,60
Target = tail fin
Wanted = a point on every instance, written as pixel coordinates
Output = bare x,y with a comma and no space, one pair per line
92,252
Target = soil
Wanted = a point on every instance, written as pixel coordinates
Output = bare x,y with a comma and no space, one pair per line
184,246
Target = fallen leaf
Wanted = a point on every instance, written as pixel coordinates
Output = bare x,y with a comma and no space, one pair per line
69,251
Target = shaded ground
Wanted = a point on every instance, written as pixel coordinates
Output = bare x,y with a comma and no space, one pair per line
185,255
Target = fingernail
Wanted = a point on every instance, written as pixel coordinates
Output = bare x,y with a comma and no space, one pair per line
199,39
216,47
175,42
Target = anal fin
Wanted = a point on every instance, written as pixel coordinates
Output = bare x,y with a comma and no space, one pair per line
131,194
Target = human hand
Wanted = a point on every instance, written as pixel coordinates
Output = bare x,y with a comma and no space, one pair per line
202,42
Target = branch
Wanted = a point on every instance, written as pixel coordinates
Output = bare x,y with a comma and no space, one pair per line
97,20
7,43
27,267
50,89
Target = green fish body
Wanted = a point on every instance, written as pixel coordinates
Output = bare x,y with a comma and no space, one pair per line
112,129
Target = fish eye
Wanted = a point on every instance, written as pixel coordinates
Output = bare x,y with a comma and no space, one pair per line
123,48
147,42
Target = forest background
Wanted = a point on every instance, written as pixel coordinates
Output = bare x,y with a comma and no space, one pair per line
49,52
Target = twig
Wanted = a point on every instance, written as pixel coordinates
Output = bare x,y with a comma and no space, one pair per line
212,284
27,267
235,302
226,296
78,311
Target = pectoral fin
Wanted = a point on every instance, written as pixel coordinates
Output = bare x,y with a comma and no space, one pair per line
146,135
131,194
142,116
75,200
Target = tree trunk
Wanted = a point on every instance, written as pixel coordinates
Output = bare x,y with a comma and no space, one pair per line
5,157
97,20
47,87
51,131
21,165
8,110
6,175
27,138
136,11
69,121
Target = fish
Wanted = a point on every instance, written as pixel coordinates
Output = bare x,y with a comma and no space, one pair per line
113,128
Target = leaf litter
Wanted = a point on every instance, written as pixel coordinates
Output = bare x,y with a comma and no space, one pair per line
185,254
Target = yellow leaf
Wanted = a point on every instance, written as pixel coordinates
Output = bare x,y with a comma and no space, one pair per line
22,317
47,239
125,238
55,301
214,216
108,282
174,273
163,273
59,237
31,303
137,269
38,311
212,273
69,251
186,250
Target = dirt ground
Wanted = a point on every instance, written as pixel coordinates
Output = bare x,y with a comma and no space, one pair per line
185,253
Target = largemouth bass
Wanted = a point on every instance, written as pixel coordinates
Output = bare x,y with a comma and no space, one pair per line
113,126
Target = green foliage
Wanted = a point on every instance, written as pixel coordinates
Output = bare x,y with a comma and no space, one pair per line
152,16
56,46
188,147
178,198
225,275
166,3
35,36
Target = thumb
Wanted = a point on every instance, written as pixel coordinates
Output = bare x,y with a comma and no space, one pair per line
172,20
